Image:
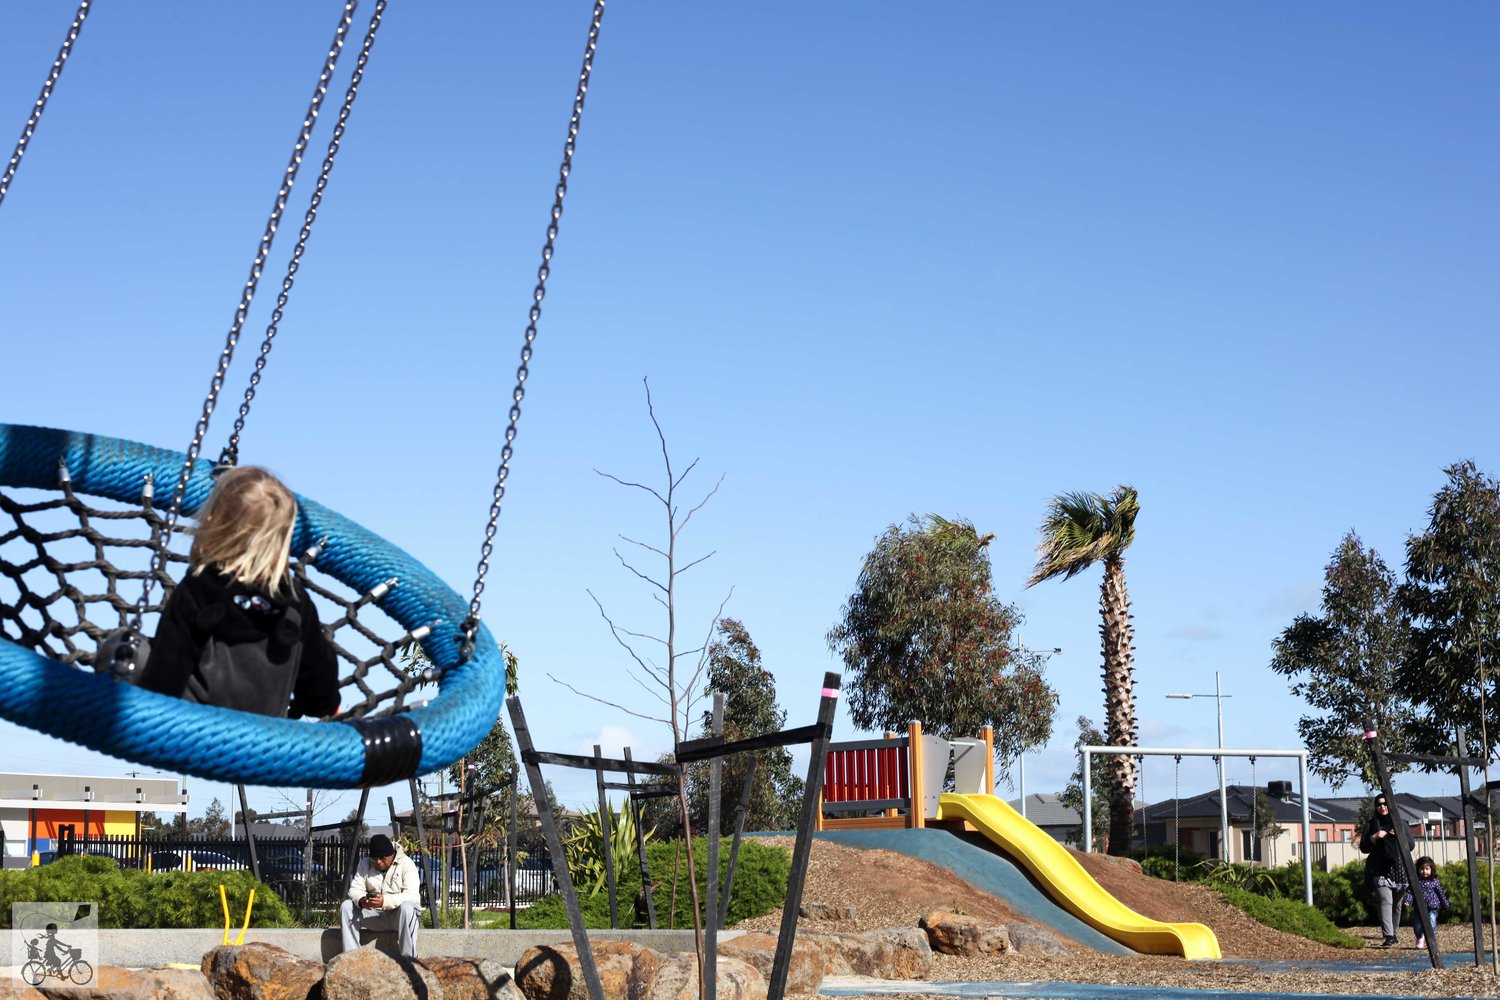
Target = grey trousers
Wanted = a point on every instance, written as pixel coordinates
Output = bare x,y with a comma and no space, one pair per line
1388,901
404,920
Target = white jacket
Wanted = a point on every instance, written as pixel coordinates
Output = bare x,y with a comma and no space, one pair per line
399,883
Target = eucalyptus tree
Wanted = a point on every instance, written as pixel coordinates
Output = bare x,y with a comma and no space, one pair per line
1344,664
1079,530
1451,592
924,637
750,709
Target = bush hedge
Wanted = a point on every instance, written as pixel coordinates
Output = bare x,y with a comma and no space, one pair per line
129,898
1291,916
760,879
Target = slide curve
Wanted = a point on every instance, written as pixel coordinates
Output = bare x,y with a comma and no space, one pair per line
1066,881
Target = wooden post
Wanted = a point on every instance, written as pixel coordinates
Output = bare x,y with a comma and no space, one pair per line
711,875
640,850
915,816
1467,808
510,842
416,809
802,851
607,834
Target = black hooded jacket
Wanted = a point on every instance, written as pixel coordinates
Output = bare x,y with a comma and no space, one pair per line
297,664
1385,853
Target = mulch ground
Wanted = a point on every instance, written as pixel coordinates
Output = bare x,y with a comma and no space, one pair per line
887,889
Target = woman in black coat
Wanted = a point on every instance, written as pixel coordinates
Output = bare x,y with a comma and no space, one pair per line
1385,869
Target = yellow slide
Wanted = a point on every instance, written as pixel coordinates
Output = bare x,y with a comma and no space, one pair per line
1065,880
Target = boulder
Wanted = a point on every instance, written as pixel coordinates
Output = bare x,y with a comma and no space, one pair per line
1035,940
552,972
471,978
260,971
371,974
958,934
809,961
896,953
675,977
827,911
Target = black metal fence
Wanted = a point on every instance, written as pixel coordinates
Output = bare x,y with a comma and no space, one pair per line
316,875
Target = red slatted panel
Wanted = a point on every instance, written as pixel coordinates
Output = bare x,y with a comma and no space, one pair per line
857,775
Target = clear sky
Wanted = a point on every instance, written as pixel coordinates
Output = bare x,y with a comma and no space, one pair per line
875,258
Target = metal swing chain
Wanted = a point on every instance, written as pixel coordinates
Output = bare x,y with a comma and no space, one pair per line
1254,813
41,102
471,624
1177,820
179,491
1140,764
231,453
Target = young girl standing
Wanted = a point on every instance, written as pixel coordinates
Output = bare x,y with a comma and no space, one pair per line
238,632
1433,895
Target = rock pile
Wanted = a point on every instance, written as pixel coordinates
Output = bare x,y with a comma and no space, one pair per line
628,971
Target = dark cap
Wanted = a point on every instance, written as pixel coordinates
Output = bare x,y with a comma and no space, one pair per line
381,846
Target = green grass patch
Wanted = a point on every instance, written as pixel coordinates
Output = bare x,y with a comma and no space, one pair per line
1291,916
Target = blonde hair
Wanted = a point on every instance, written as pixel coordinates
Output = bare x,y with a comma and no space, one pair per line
245,529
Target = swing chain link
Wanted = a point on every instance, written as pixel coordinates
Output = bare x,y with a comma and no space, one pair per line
1254,813
544,271
41,102
231,453
1177,819
289,177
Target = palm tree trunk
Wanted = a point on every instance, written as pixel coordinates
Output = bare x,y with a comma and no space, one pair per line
1119,701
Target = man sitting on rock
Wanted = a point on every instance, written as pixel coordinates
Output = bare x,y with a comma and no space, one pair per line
385,893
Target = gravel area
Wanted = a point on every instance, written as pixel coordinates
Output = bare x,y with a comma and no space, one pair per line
892,890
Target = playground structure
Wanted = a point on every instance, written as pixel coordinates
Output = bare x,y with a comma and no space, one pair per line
897,783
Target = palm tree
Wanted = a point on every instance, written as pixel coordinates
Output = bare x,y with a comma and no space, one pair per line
1081,529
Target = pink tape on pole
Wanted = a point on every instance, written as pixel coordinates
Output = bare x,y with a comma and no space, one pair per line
830,692
1371,734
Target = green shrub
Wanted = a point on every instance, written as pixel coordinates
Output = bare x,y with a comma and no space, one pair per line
129,898
760,879
1169,864
549,912
1291,916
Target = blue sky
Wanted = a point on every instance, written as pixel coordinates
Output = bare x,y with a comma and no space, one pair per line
874,259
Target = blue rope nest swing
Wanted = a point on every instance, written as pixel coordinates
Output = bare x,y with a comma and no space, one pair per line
46,602
95,710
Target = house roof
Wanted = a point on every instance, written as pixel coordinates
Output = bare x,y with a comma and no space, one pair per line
1048,809
1413,809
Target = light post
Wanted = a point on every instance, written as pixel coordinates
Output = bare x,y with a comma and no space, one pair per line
1219,697
1046,655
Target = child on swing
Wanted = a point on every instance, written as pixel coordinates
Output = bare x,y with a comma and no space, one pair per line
237,631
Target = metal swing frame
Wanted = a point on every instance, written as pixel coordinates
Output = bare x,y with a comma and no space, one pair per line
1088,753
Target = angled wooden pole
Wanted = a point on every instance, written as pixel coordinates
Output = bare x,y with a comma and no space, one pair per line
1377,754
776,987
739,828
528,752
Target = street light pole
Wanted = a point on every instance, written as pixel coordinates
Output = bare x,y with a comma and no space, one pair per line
1218,696
1021,757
